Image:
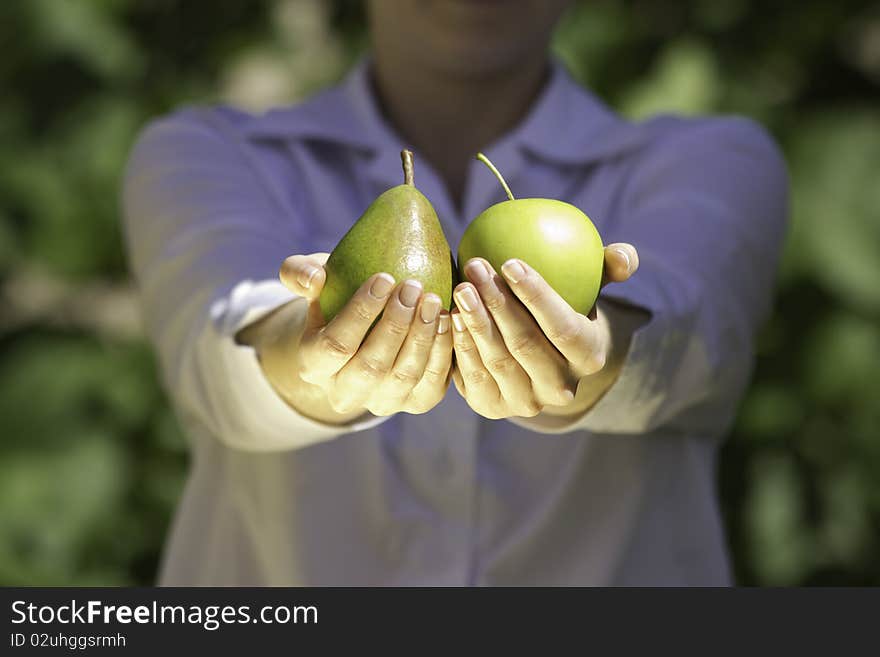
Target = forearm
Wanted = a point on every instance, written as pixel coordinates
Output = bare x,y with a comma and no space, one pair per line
618,322
275,339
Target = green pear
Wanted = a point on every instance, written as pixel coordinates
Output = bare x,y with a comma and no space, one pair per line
555,238
399,233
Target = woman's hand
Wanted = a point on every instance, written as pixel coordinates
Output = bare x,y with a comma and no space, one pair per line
519,346
338,370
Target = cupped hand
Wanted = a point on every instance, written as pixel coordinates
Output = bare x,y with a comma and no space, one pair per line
519,346
402,364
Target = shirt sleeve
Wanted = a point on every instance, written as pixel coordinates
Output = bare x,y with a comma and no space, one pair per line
706,210
205,234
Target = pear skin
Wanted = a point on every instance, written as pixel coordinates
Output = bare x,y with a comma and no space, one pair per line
399,233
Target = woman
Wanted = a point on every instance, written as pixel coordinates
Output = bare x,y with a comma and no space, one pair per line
326,455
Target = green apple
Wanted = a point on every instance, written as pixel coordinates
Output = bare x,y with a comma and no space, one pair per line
555,238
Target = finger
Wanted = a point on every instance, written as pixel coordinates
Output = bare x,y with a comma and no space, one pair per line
545,366
409,366
576,337
479,386
367,370
621,262
304,275
512,380
325,350
431,389
458,381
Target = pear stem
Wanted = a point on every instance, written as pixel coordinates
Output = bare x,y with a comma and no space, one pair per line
407,158
485,160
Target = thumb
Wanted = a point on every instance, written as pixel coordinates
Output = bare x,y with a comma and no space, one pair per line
314,317
304,275
621,262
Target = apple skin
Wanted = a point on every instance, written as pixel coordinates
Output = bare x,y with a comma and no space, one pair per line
555,238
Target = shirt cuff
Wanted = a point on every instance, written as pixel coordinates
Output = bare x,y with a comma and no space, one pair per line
632,403
253,416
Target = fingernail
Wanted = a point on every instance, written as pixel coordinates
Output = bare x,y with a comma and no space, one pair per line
430,308
457,322
306,276
477,272
410,293
467,299
443,324
382,286
568,396
513,271
625,255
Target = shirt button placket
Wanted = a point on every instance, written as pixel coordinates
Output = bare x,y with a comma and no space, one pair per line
455,466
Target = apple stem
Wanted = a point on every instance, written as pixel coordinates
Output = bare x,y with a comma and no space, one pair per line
485,160
407,158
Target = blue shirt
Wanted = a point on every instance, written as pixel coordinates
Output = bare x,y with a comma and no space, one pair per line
215,199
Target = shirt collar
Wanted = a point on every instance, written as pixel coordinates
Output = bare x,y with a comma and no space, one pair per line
331,116
567,124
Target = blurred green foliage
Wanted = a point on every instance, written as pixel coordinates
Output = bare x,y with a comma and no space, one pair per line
92,460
